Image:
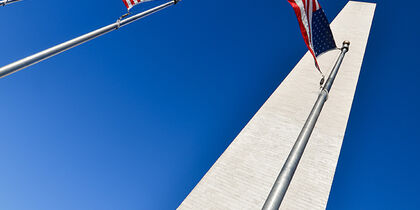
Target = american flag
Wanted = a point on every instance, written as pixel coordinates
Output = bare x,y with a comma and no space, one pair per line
131,3
314,27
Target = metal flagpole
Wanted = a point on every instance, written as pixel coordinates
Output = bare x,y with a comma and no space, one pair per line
6,2
283,180
33,59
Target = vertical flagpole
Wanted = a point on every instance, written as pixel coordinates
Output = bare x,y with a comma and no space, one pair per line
33,59
279,188
6,2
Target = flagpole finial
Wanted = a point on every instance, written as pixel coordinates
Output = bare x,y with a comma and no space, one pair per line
346,44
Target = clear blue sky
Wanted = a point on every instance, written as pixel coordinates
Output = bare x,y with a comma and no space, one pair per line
134,119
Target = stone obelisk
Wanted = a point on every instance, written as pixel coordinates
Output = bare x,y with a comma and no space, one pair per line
243,175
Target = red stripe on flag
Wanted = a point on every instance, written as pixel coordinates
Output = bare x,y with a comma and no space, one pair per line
314,5
132,2
302,28
125,2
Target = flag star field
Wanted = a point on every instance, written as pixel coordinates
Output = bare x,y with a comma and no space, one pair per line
322,37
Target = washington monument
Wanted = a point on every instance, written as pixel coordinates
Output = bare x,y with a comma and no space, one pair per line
245,173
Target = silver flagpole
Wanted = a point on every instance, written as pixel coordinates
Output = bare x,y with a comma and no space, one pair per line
6,2
33,59
283,180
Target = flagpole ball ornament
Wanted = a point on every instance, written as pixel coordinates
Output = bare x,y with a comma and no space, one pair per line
346,44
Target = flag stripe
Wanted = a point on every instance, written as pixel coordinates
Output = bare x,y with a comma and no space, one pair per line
125,2
304,20
131,3
317,5
301,15
310,21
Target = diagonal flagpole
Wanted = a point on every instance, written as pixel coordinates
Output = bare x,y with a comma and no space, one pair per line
6,2
38,57
279,189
